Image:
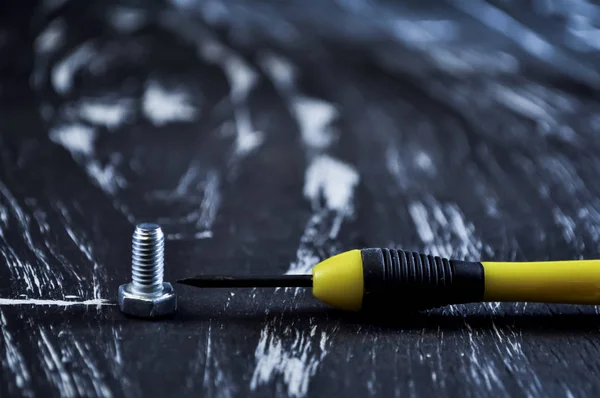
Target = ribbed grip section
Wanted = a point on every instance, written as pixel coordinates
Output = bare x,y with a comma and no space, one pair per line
409,268
418,280
148,250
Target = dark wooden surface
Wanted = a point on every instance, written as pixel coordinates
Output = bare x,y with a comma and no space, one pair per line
263,142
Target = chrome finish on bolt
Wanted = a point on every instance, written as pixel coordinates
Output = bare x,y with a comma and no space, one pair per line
147,296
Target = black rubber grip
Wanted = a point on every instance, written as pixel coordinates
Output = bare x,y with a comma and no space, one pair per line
416,281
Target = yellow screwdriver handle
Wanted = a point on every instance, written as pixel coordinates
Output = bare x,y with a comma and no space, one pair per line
569,282
378,277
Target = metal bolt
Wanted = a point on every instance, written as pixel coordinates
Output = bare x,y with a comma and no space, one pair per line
147,295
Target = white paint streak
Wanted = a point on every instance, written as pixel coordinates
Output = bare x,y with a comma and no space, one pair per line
127,20
15,360
55,369
39,275
206,379
242,80
247,139
418,212
332,179
280,71
396,167
63,73
306,256
215,382
297,363
105,176
51,38
315,117
567,225
423,161
76,138
210,203
162,106
198,235
521,104
456,59
107,112
59,303
445,232
329,185
95,376
204,196
508,345
420,33
80,241
51,245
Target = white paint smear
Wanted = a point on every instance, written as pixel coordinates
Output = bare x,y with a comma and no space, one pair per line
54,366
566,224
315,117
242,79
329,184
210,204
247,139
98,385
76,138
445,232
59,303
331,179
524,105
127,20
51,38
306,256
418,212
297,363
198,235
34,269
107,112
280,70
79,140
424,162
105,176
162,106
335,181
15,360
204,196
423,32
396,167
64,71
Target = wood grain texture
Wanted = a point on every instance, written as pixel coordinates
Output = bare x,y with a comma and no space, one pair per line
264,138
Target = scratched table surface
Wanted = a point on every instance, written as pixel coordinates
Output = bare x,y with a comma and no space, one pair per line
265,137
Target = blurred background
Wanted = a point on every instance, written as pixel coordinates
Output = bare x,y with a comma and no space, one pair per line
266,135
171,108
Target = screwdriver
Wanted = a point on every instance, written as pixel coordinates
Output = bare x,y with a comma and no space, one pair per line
366,279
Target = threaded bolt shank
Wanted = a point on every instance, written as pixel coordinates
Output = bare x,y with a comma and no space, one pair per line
148,258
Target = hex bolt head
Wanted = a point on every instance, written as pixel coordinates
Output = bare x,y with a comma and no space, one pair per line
147,296
147,306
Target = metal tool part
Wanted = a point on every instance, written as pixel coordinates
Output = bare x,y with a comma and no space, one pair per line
147,295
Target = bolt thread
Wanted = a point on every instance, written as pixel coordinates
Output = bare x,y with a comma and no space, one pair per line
148,258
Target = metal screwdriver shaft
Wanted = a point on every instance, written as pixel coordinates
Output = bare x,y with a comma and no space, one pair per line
249,281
